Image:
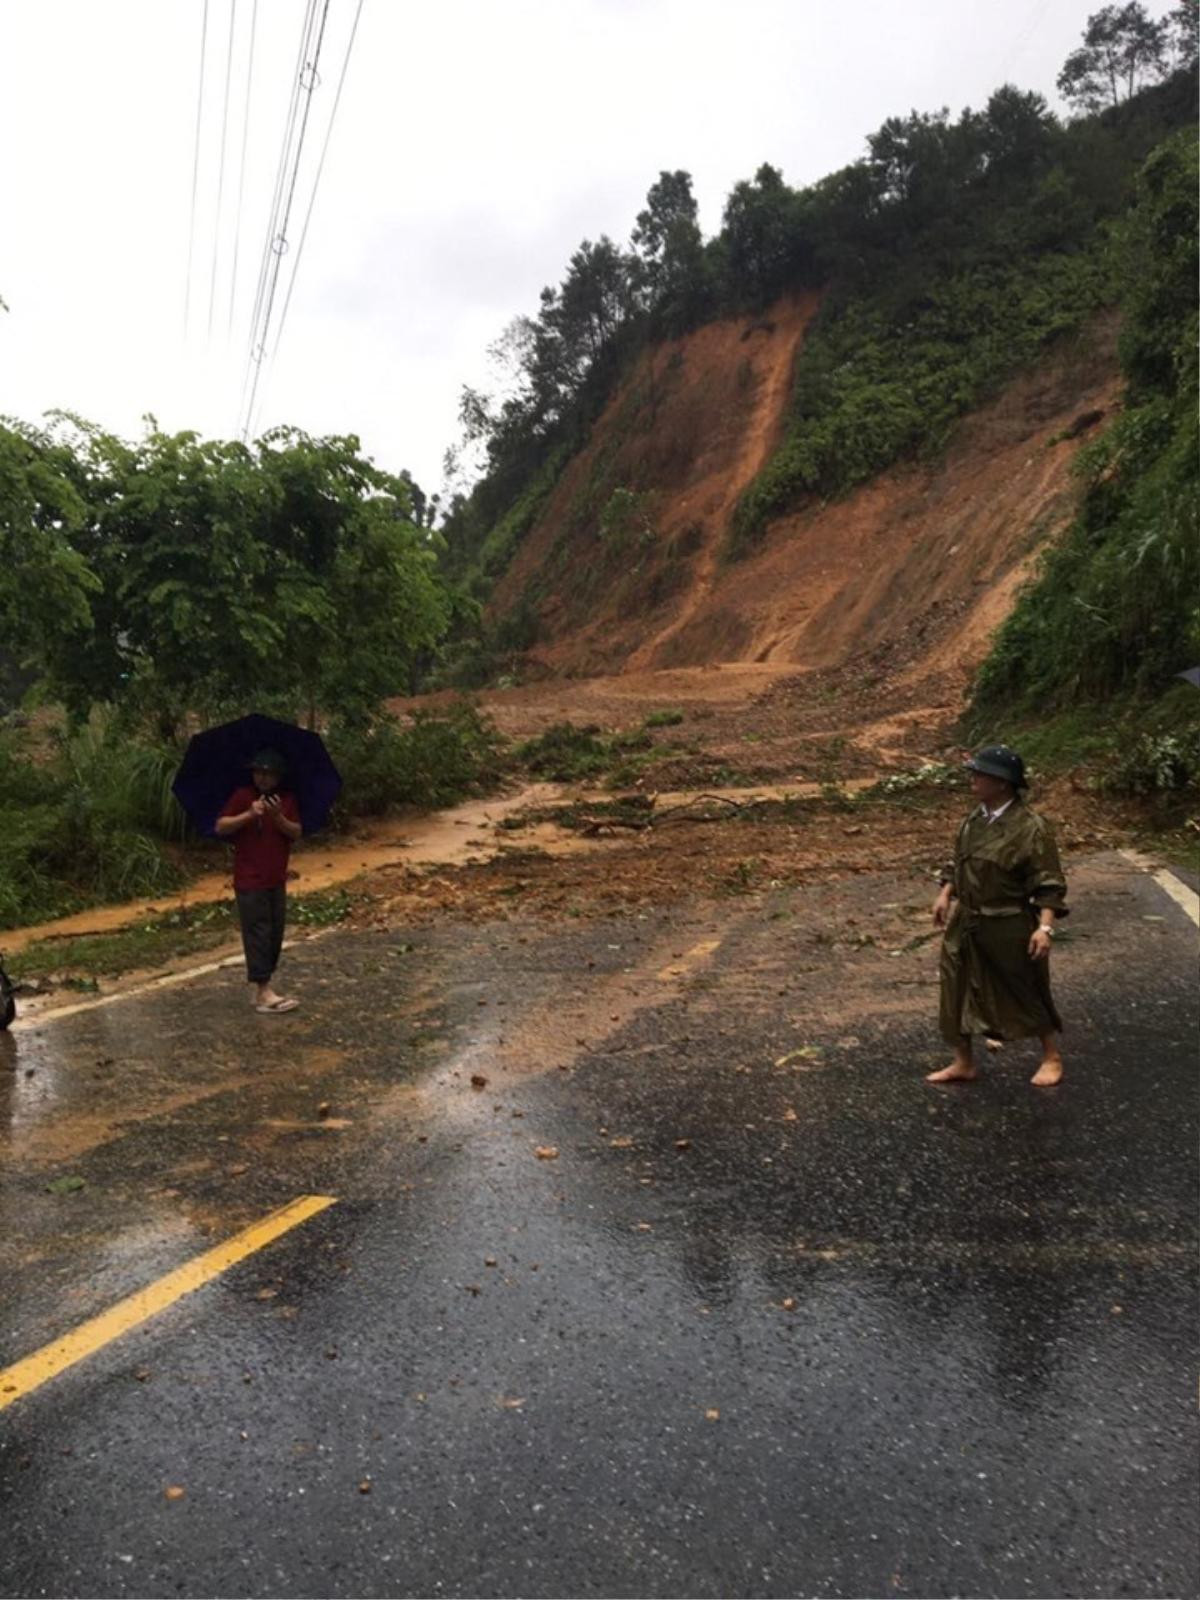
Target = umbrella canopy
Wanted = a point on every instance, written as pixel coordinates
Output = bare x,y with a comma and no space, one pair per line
217,762
1192,675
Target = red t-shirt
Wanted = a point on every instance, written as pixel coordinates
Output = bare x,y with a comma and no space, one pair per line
260,850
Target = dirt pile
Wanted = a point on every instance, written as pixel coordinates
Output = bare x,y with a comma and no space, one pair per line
627,568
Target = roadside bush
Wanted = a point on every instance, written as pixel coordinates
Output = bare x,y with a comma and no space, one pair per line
932,775
83,823
435,761
565,751
1162,763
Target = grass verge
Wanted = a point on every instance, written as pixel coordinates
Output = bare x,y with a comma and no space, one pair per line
81,961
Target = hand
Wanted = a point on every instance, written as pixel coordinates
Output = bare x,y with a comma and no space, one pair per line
258,807
1039,944
271,802
941,908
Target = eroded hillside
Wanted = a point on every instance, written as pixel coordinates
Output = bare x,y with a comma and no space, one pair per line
627,567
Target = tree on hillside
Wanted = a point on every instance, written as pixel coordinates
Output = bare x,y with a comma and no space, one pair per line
762,249
1123,49
1184,24
669,253
1020,135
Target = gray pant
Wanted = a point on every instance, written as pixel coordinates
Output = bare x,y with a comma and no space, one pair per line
262,913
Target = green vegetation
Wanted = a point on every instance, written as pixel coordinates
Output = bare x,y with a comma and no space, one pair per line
87,815
566,752
149,587
434,761
184,575
84,823
1117,604
876,383
1115,607
159,940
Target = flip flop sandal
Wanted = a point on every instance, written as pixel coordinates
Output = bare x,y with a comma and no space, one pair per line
277,1006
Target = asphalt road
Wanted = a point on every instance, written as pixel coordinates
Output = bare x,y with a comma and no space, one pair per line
776,1319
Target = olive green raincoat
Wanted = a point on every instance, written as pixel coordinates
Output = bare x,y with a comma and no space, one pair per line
1003,873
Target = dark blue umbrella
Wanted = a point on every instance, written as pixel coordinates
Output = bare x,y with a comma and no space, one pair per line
1192,675
218,761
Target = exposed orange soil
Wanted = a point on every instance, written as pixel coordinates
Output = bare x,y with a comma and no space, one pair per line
924,559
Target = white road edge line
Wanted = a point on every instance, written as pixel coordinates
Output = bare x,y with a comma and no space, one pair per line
169,980
1186,899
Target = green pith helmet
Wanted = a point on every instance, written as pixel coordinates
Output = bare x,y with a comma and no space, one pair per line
998,761
269,761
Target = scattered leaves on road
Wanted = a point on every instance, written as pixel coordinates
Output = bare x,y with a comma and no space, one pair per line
174,1491
806,1052
66,1185
546,1152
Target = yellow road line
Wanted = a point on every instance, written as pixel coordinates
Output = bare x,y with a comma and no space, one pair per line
30,1373
697,953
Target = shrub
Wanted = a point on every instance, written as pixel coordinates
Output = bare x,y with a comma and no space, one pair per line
435,761
85,822
565,751
1158,763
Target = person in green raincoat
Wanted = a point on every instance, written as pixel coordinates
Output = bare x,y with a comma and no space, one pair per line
1000,899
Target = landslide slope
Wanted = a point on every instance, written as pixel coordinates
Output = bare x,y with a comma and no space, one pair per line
627,566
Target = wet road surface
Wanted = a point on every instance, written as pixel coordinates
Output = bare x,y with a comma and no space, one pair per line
776,1318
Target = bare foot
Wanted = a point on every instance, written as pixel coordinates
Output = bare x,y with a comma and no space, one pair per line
1049,1073
956,1072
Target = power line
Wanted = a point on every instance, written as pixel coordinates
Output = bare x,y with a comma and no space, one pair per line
272,241
237,227
187,292
310,72
212,283
312,199
1026,32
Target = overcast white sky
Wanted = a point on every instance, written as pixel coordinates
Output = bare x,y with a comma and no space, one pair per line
477,142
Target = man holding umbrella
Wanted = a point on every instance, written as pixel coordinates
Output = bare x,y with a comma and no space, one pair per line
263,820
